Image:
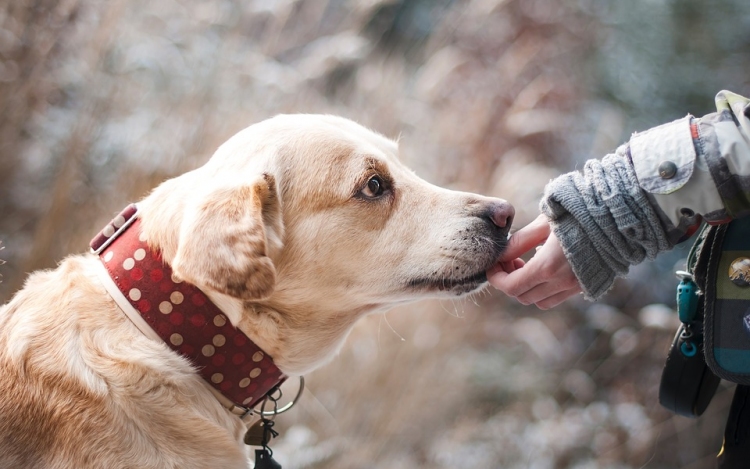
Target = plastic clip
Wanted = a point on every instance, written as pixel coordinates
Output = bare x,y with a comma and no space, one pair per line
687,297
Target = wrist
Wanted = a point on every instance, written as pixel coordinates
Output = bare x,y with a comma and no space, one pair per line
594,275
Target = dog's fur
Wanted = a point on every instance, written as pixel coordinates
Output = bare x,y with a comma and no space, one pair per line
280,230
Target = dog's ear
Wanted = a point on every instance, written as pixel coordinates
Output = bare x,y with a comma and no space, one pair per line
225,240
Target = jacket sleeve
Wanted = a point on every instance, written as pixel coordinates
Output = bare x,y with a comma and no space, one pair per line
652,193
698,166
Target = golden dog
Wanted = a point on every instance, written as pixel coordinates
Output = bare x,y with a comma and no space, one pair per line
295,228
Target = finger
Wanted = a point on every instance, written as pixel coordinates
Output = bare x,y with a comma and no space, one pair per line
558,298
540,293
515,283
526,238
497,277
512,266
507,267
499,267
551,276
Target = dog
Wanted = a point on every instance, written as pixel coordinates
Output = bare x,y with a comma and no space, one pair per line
295,228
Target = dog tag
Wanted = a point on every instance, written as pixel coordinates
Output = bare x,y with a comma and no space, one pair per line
255,435
264,460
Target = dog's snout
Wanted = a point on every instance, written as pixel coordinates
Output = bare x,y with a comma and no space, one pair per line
501,213
498,214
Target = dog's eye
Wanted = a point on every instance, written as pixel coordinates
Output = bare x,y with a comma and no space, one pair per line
374,187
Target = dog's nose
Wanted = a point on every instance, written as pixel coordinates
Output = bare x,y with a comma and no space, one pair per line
501,213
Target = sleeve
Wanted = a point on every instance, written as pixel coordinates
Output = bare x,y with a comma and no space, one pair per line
697,166
652,193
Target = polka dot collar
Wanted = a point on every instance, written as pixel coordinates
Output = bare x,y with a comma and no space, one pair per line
182,316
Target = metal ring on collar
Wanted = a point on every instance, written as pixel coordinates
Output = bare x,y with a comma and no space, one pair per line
272,413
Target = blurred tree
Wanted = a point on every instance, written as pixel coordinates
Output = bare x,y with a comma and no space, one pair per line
659,60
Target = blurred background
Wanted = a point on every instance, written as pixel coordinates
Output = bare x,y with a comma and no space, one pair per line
102,99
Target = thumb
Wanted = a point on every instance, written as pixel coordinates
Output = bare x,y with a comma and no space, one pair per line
527,238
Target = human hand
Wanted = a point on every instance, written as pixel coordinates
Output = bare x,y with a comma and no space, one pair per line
546,280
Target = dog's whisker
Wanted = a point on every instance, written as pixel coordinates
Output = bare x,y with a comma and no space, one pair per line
392,329
443,307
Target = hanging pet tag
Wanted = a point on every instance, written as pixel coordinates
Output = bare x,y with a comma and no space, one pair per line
255,435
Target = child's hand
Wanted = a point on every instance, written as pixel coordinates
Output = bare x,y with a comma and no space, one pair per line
546,280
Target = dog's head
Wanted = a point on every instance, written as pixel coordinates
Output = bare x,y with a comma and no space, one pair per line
301,224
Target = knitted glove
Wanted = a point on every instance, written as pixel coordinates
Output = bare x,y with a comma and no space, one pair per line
604,221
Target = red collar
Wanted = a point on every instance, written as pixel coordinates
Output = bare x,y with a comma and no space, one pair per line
183,317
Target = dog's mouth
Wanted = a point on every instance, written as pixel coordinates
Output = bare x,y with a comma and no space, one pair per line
458,286
463,277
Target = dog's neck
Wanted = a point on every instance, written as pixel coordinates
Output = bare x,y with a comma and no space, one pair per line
182,316
297,348
299,343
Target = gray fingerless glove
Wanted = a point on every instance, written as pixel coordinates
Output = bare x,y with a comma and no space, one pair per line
604,221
